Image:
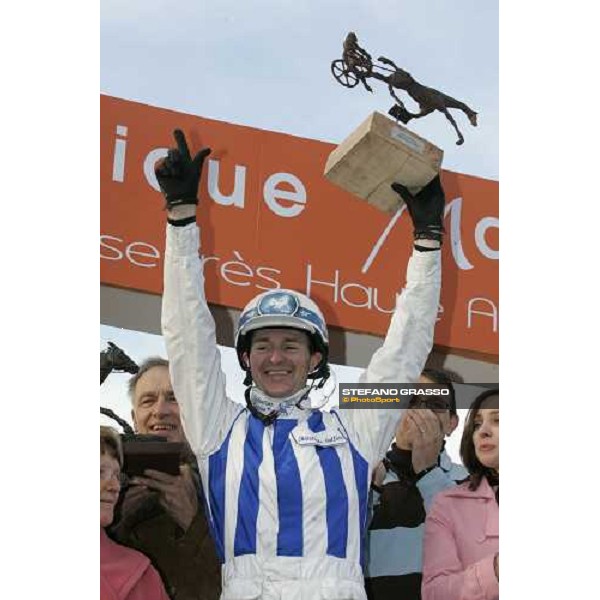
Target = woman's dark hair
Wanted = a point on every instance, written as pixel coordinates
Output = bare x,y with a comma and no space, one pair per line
445,377
477,471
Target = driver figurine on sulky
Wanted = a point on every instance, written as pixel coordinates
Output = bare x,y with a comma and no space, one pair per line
286,485
357,59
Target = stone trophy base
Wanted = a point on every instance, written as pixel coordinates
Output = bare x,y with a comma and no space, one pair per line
377,153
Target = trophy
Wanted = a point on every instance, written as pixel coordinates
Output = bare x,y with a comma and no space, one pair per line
380,150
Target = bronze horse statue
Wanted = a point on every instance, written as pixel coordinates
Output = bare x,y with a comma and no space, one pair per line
356,66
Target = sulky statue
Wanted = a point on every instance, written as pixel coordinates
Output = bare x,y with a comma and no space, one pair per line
356,66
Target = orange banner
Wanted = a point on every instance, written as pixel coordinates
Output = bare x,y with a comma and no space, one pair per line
270,219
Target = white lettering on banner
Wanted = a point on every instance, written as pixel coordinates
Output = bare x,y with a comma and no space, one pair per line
480,231
382,238
104,239
118,173
115,248
243,270
260,271
286,196
487,302
237,272
131,251
379,308
149,163
296,200
207,259
362,288
334,285
371,293
455,210
272,195
237,197
239,268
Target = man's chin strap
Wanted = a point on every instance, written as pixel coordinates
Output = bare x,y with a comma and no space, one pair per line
266,408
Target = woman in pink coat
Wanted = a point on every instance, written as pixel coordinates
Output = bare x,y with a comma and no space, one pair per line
460,551
125,574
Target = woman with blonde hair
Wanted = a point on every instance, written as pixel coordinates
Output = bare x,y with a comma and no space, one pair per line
125,574
460,553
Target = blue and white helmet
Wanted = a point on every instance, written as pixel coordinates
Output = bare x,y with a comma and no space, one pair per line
284,308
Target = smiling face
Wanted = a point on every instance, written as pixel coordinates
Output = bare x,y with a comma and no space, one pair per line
110,472
280,360
155,409
486,436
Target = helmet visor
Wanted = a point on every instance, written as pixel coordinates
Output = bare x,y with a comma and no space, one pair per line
281,309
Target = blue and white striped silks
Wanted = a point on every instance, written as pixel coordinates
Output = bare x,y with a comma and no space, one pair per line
287,500
297,488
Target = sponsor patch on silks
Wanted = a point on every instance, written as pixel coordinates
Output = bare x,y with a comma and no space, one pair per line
303,436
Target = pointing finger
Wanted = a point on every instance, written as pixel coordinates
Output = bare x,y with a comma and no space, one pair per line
182,144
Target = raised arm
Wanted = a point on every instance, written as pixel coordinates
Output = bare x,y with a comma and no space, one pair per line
409,339
187,325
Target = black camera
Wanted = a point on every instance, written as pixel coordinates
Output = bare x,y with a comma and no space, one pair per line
142,452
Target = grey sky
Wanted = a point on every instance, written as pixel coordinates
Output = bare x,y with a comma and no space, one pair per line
266,64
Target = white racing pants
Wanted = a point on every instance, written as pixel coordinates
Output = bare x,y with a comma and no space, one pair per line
290,578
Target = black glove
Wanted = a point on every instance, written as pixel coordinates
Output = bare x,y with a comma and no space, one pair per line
426,209
178,175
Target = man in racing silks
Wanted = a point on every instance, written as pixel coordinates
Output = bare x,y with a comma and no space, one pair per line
286,485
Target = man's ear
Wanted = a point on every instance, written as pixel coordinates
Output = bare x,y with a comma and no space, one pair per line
246,359
453,423
315,359
133,419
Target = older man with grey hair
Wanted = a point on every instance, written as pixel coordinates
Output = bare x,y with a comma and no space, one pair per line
163,515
